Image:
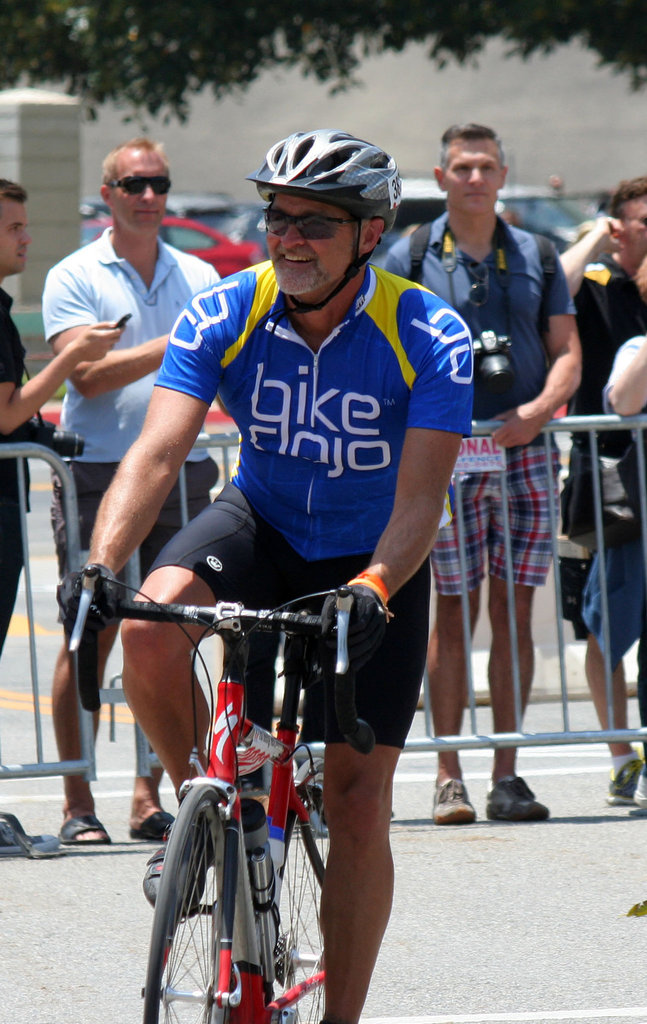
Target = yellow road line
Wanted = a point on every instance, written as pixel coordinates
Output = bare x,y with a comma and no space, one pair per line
12,700
19,626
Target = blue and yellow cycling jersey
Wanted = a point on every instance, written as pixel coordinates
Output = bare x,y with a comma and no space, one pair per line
322,433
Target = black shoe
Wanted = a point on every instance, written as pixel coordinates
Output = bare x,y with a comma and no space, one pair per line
510,799
198,859
151,880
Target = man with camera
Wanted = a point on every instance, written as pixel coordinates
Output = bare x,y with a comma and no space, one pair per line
514,297
20,402
129,277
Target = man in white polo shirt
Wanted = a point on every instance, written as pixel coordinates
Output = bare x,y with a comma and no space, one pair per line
127,272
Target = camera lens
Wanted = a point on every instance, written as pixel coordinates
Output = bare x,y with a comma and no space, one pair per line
67,443
497,373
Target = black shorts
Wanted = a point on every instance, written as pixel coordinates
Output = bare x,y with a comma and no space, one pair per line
242,558
92,480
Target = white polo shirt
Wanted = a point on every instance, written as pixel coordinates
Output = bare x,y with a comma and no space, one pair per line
93,284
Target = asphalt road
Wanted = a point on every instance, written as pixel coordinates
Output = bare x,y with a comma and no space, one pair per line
492,922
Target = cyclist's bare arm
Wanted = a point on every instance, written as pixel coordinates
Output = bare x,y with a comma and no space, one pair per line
121,367
147,472
426,466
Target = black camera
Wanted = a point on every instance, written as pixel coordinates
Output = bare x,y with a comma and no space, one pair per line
66,443
492,361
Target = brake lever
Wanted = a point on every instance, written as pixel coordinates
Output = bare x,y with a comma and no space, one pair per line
357,733
90,577
344,603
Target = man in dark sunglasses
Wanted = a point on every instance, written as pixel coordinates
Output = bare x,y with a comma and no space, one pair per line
127,275
514,297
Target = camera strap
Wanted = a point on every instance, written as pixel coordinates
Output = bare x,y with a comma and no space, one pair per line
419,242
449,262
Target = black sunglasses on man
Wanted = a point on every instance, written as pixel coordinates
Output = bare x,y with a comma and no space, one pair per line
137,184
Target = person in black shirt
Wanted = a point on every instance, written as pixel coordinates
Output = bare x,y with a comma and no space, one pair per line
19,402
601,271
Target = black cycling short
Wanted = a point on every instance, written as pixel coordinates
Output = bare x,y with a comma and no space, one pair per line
242,558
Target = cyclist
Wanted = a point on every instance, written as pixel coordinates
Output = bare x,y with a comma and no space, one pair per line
351,389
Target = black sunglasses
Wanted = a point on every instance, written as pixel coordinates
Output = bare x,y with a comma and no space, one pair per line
311,226
135,185
480,286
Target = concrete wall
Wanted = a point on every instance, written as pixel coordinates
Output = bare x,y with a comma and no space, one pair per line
40,149
558,113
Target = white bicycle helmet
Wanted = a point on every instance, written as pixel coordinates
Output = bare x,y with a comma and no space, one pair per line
333,167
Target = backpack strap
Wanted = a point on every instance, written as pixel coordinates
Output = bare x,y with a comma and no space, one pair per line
548,257
418,243
419,240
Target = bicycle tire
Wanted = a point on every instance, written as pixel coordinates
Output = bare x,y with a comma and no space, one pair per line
299,949
186,927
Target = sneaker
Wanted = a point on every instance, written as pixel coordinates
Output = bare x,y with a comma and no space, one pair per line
452,805
151,880
622,785
154,865
510,799
199,862
640,793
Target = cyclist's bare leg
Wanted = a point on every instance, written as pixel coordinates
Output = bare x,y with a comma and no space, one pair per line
358,887
157,672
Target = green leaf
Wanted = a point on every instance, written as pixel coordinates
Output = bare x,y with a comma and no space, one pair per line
638,910
154,57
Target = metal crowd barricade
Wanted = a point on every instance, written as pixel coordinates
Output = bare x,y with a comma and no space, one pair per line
472,738
225,446
22,451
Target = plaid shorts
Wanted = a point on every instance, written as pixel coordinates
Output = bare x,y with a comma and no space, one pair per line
529,494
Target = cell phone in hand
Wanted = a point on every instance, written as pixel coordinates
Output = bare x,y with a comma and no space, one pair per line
123,321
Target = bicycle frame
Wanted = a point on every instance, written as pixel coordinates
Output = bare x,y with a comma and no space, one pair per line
238,746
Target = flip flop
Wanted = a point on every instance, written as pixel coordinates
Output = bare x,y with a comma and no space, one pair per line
14,841
153,828
73,828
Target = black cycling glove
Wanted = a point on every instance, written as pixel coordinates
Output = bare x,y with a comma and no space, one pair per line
104,600
366,626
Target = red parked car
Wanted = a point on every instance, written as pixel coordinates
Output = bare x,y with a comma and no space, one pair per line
212,246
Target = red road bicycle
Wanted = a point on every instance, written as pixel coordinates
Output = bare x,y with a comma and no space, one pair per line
236,936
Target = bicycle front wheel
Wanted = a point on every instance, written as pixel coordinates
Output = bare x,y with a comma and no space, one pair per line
184,946
299,950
